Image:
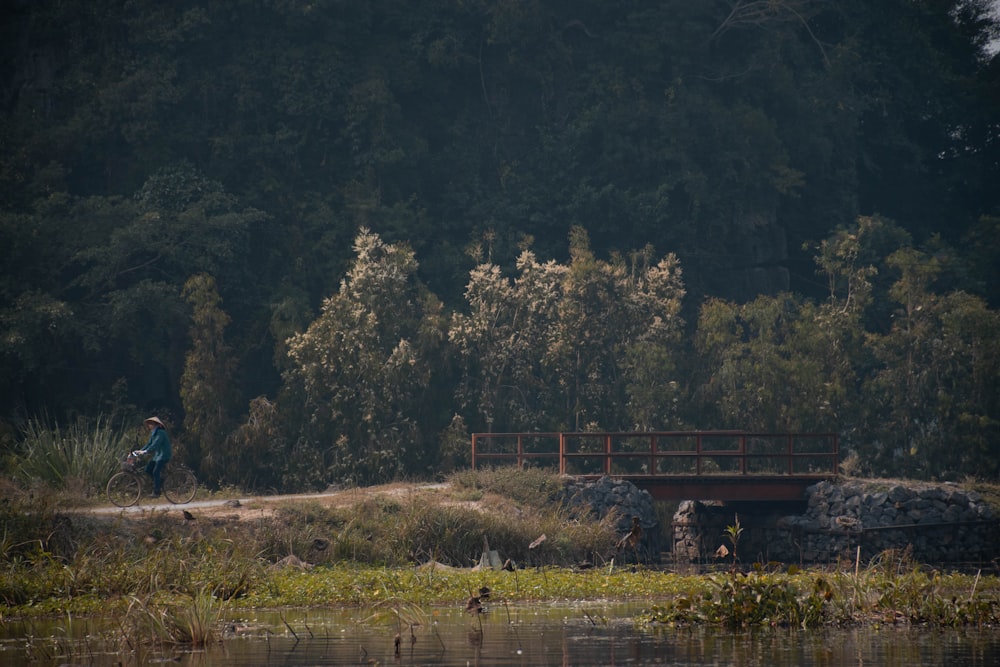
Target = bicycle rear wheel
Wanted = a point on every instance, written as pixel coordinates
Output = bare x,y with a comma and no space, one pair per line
124,489
179,485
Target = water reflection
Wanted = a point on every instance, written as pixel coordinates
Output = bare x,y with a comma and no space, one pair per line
589,634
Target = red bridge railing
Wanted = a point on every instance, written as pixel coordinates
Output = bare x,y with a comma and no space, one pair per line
663,453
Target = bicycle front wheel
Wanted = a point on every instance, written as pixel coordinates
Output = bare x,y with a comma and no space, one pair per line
180,485
124,489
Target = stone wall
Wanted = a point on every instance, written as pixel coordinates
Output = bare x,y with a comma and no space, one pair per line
939,523
597,499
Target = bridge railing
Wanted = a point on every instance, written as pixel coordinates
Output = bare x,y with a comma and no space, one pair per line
662,453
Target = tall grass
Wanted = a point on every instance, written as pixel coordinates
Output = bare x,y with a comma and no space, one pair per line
193,620
392,533
397,531
529,486
79,457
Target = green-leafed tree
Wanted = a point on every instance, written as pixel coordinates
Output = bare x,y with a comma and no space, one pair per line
182,224
54,335
933,404
207,383
917,366
258,457
785,363
359,370
759,378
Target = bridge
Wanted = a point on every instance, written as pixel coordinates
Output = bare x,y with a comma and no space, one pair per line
676,465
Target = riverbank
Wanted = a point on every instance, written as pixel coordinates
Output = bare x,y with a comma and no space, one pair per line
891,591
435,544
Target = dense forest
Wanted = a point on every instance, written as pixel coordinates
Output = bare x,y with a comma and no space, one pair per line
327,240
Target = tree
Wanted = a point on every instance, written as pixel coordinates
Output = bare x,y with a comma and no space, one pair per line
359,369
612,316
207,384
499,344
129,275
784,363
933,405
257,454
568,347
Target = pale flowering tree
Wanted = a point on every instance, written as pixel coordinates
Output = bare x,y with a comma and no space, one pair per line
360,368
499,341
648,363
570,346
614,347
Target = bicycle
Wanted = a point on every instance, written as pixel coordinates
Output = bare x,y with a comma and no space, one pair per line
125,487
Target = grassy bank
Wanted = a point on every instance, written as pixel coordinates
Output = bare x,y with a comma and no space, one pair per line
877,594
179,575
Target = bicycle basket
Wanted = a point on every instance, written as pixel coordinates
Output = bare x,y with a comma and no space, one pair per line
130,463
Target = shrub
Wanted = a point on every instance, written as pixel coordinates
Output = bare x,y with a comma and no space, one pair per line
84,454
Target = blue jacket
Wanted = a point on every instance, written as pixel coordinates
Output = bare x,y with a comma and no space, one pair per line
159,445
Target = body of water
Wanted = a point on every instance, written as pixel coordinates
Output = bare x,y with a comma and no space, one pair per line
578,634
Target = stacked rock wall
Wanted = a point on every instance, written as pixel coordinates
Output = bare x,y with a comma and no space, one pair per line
938,523
597,499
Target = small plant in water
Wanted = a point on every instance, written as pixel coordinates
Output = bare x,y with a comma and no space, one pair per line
193,622
733,534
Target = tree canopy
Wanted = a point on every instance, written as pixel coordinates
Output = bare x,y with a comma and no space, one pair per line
329,228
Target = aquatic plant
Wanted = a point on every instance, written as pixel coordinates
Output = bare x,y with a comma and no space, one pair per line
764,598
733,533
193,620
879,593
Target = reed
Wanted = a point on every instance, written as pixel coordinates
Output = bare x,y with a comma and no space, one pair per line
190,620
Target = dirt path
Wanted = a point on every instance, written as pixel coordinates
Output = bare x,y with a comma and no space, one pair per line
246,507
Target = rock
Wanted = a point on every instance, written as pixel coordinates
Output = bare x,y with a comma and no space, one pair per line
293,561
597,499
938,523
899,494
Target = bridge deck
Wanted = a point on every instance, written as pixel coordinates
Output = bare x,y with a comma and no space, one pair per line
692,465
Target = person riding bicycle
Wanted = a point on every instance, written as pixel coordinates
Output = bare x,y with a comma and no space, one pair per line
159,447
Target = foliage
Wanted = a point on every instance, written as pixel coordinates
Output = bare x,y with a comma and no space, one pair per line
146,143
808,599
941,355
171,577
207,383
733,533
913,390
611,315
250,449
360,368
191,620
500,343
561,347
776,363
114,564
761,599
528,486
393,532
79,457
454,448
